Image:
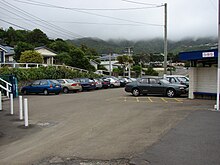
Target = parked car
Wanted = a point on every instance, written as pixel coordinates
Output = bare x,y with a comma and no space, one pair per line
98,83
43,86
70,85
87,84
155,85
105,83
114,82
178,79
124,81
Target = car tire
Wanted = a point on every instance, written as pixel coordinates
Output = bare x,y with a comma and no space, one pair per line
170,92
25,92
45,92
135,92
57,93
111,86
65,90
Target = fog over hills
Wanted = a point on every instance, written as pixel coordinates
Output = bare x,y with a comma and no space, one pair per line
146,46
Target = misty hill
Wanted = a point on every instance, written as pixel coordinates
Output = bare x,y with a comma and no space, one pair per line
146,46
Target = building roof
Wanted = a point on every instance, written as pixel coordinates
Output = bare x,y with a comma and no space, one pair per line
200,55
10,51
3,48
46,52
106,57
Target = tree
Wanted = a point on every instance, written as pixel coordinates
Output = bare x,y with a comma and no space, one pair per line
137,69
21,47
59,46
125,61
79,60
31,56
63,58
151,71
37,38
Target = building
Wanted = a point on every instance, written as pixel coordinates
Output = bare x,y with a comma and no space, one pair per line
202,72
47,54
3,51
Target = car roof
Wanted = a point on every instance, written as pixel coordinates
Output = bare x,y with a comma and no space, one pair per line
175,76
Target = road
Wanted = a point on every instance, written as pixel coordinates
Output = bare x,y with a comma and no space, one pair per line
97,125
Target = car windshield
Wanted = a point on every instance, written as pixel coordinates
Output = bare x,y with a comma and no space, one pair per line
183,79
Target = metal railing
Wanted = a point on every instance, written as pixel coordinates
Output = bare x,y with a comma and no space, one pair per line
7,86
37,65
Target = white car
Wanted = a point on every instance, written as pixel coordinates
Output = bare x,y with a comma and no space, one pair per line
114,82
69,85
178,79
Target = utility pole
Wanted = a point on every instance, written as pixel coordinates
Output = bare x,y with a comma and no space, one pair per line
165,39
218,72
129,65
110,64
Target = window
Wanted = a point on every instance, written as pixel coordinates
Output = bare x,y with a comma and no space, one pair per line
144,81
37,82
43,82
152,81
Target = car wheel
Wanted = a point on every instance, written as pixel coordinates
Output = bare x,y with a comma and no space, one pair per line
46,92
24,92
111,86
171,92
65,90
136,92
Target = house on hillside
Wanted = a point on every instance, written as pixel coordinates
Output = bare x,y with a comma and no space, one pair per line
94,63
47,54
2,54
7,54
110,62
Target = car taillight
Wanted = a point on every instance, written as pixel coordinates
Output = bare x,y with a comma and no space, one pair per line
74,85
51,86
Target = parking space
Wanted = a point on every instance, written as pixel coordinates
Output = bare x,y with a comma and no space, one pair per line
148,99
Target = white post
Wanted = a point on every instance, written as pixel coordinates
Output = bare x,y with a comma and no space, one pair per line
20,108
218,72
12,104
7,87
25,112
0,101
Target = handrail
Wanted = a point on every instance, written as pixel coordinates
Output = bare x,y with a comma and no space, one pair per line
5,82
8,90
8,85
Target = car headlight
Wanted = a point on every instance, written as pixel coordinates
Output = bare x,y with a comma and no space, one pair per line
181,88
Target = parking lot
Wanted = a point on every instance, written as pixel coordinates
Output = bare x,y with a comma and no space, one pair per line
96,125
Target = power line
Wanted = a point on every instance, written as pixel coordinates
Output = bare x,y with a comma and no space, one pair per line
85,12
23,17
85,9
14,24
55,28
75,22
141,3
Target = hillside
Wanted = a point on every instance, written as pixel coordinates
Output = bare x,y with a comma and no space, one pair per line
146,46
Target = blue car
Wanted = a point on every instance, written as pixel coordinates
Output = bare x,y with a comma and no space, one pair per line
43,86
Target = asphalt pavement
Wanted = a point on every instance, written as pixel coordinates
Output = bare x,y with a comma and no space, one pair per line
194,141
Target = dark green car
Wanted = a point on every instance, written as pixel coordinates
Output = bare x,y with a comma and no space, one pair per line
155,86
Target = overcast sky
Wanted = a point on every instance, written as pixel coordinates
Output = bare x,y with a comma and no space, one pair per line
136,19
